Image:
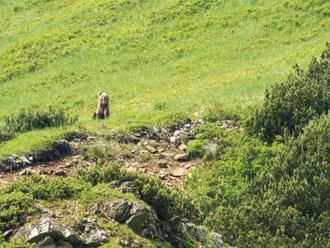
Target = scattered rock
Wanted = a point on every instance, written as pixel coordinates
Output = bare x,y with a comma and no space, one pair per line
49,233
188,166
177,133
213,240
128,187
163,174
203,235
162,164
141,218
173,140
178,171
197,232
60,173
183,147
28,172
181,157
7,234
210,149
151,149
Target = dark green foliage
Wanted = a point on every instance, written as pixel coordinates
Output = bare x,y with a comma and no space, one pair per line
49,189
289,106
14,208
195,149
301,172
5,136
16,244
285,203
27,120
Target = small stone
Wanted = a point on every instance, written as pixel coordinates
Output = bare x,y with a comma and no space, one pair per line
181,157
176,133
151,149
188,166
187,125
178,172
68,165
173,139
183,147
60,173
7,233
163,174
26,172
163,164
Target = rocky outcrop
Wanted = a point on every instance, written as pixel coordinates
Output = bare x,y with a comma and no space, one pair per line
206,238
15,162
49,233
141,218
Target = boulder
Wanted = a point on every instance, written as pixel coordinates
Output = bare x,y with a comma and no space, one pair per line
141,218
201,234
50,233
214,240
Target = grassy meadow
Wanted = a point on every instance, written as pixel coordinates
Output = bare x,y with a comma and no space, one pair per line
159,60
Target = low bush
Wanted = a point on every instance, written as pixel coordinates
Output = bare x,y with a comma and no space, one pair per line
289,106
16,244
14,208
287,201
5,136
27,120
195,149
48,189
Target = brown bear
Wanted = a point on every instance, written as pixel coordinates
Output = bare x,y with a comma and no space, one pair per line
103,106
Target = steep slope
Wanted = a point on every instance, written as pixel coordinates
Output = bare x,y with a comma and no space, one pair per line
158,59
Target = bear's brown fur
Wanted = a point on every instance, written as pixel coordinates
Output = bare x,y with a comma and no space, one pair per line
103,106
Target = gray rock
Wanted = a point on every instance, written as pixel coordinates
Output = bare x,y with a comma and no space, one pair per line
48,233
202,235
210,149
214,240
47,242
118,210
143,220
2,167
46,227
173,139
197,232
181,157
7,233
129,187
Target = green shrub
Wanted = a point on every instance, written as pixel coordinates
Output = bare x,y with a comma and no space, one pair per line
14,208
16,244
195,149
5,136
289,106
287,203
301,172
27,120
49,188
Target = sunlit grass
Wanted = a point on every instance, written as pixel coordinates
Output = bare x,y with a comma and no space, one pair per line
157,59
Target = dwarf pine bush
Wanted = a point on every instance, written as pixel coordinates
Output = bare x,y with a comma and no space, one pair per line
290,105
27,120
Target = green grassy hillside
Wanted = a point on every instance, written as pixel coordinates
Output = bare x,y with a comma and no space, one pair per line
157,59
